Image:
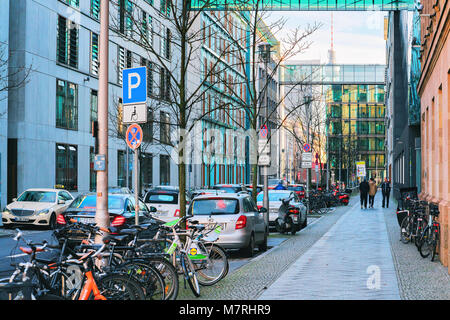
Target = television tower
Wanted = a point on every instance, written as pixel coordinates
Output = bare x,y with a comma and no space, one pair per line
331,52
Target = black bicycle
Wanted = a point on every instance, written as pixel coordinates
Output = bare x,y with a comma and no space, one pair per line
429,239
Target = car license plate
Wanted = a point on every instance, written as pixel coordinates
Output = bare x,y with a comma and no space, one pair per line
22,219
85,220
295,218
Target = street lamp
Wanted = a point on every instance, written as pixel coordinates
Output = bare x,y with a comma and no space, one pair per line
264,54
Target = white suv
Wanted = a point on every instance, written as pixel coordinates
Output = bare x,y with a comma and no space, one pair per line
166,202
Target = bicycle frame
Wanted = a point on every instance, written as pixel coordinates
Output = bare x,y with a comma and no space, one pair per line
90,287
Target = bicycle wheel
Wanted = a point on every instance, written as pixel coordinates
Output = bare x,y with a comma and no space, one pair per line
421,225
190,275
117,286
149,279
214,268
405,234
170,275
425,246
435,244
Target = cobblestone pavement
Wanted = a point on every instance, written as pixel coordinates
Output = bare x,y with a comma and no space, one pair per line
250,280
351,261
419,279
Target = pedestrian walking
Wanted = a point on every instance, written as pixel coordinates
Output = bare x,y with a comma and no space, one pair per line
364,191
385,191
372,191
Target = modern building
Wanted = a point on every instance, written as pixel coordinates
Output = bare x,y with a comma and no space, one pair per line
402,122
4,52
49,130
218,153
434,92
355,124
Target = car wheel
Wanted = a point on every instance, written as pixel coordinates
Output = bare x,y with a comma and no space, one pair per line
52,222
263,246
249,250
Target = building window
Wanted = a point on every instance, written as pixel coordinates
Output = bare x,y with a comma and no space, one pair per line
94,107
120,64
67,42
164,85
72,3
125,12
147,128
94,54
92,173
165,7
95,9
66,105
164,128
146,164
164,170
122,168
121,128
67,166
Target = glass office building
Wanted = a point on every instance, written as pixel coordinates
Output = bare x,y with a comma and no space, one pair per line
356,130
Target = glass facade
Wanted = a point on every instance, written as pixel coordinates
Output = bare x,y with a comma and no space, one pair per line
305,5
356,129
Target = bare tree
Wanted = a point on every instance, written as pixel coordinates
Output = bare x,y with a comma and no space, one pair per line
253,101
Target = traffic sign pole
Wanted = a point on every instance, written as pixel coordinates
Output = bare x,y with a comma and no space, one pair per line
102,214
136,187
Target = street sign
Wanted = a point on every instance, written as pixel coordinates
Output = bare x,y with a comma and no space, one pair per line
360,169
306,147
263,146
134,136
307,156
134,113
264,160
134,85
306,164
100,162
263,131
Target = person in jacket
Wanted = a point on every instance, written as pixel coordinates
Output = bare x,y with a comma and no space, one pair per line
364,191
385,191
372,191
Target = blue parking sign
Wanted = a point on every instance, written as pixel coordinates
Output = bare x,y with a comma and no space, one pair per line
134,85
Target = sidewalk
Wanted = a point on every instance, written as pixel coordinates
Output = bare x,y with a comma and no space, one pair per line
352,261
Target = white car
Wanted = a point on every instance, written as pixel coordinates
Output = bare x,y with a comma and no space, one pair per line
38,207
275,197
166,202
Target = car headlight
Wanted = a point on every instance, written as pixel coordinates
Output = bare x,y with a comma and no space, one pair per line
7,211
44,211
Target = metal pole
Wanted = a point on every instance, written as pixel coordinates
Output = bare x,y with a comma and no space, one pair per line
127,169
136,187
102,215
265,168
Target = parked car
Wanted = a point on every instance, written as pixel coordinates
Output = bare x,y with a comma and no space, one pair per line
166,202
230,188
199,192
259,188
121,209
298,189
243,225
119,190
275,197
39,207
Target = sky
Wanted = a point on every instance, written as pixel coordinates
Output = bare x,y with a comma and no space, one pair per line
358,36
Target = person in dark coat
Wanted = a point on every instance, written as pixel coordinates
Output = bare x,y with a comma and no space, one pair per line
385,191
364,192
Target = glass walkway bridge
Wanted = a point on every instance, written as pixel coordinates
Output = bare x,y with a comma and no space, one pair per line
303,5
329,74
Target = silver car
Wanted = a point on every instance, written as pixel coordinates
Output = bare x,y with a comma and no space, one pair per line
275,197
243,225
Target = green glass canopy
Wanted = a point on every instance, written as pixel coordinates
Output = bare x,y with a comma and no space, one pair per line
303,5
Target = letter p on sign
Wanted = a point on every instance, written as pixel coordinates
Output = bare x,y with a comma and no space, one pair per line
134,86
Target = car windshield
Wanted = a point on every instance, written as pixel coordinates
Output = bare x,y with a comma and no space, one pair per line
90,202
38,196
296,188
273,196
214,206
161,197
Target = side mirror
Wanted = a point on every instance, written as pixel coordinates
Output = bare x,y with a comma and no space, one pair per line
60,201
262,210
14,199
153,209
